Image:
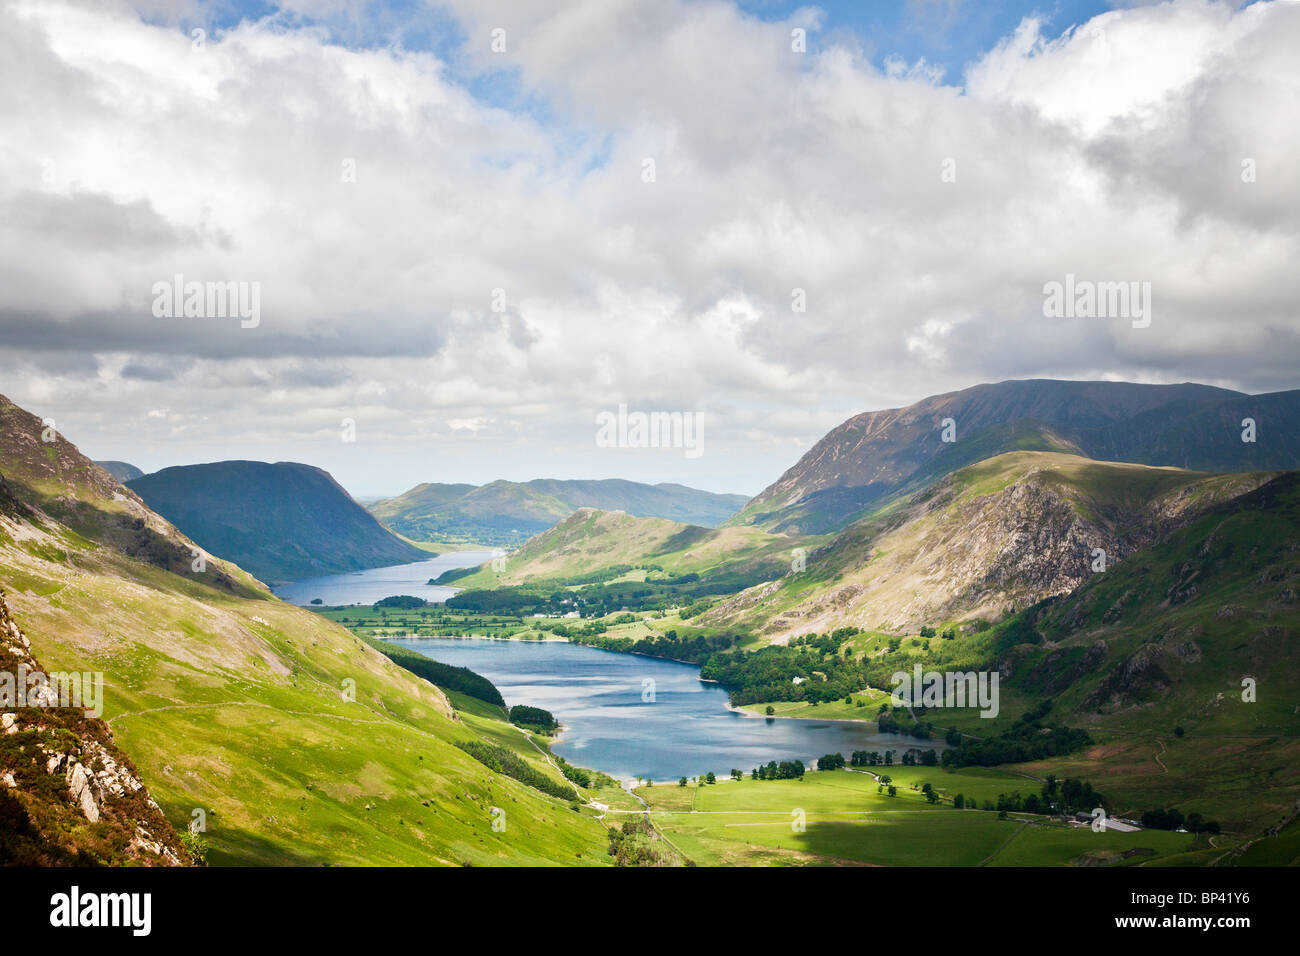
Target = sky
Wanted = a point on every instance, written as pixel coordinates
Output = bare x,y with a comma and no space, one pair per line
475,226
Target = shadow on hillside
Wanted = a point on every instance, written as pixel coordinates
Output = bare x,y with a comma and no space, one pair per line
245,848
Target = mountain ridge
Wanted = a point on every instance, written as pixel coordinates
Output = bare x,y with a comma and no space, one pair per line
874,456
507,513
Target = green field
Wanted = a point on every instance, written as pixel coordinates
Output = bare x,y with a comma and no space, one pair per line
846,821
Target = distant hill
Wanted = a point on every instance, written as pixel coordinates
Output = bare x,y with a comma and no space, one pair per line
589,543
120,470
282,521
506,513
876,456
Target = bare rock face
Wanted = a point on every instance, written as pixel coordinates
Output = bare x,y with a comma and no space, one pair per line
68,796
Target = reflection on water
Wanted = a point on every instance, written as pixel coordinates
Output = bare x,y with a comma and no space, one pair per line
634,716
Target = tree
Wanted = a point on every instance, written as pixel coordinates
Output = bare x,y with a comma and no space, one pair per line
710,778
830,762
681,782
770,710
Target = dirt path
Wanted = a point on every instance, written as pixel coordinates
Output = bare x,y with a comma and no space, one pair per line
1163,768
1005,843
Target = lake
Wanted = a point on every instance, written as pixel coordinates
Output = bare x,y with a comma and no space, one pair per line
367,587
632,716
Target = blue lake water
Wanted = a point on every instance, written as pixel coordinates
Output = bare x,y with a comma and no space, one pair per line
367,587
630,715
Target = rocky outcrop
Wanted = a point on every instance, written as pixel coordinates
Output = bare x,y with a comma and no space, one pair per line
985,541
1135,680
67,794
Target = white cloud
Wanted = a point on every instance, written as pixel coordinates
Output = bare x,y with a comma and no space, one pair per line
1113,152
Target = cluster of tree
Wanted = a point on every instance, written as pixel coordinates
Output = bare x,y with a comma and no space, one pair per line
500,760
534,718
1029,738
1172,819
888,722
497,601
919,758
584,777
669,645
462,680
629,845
830,762
826,643
404,601
785,770
769,674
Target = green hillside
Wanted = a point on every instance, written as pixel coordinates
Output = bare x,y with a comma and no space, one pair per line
300,743
589,544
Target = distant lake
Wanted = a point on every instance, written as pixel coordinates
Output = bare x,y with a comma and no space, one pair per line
367,587
685,730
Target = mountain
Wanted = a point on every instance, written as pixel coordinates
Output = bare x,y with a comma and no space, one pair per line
506,513
292,741
877,456
985,539
120,470
282,522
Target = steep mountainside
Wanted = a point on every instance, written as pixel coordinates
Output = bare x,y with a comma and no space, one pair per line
1185,621
877,456
282,522
985,539
120,470
292,740
68,795
1186,654
506,513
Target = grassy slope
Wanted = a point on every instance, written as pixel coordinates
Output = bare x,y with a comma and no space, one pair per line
590,540
247,720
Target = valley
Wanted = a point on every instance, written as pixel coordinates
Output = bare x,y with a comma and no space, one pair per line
741,680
